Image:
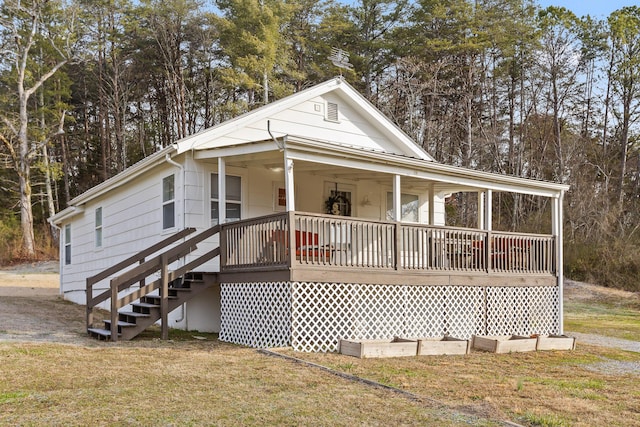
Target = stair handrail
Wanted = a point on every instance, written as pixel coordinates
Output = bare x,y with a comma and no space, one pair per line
136,258
159,262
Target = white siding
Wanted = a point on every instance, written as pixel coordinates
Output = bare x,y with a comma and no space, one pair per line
307,119
132,221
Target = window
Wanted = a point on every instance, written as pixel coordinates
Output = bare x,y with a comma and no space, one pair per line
409,207
168,202
67,244
233,202
98,228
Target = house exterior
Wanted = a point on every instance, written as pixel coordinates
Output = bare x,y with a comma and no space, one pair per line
331,225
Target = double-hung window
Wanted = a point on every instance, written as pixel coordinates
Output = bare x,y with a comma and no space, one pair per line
67,244
98,227
168,202
409,207
233,201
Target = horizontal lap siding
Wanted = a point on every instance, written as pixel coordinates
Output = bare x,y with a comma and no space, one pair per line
132,221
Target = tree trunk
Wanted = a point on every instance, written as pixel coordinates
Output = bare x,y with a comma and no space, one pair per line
24,176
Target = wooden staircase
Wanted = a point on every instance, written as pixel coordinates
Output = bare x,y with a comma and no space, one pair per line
147,310
130,289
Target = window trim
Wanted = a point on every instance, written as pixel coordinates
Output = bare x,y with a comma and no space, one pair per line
168,202
228,201
98,228
67,244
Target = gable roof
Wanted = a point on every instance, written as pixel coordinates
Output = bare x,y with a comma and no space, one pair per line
211,138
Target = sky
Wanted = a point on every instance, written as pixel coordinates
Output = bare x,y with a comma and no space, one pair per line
596,8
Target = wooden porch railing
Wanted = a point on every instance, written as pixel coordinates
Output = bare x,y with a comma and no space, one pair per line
138,274
341,242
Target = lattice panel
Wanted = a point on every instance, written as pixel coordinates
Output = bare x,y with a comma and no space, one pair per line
323,313
378,311
256,314
426,311
522,311
465,309
314,316
320,312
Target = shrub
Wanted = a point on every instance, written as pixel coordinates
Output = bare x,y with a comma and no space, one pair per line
615,264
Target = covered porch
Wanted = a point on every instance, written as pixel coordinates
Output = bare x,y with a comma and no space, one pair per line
367,216
362,250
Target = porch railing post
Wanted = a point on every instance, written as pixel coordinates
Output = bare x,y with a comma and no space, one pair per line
222,238
397,245
114,310
89,297
291,235
487,252
164,297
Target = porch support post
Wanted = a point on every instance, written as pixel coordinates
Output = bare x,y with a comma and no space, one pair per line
488,220
397,201
222,190
480,210
556,230
432,204
289,183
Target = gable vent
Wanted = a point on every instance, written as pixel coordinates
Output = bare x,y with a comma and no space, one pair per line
332,111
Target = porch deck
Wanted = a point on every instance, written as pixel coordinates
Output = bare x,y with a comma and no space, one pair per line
331,248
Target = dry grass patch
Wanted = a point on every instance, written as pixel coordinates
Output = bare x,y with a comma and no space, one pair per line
150,382
540,388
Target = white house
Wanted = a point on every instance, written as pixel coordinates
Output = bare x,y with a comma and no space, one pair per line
332,225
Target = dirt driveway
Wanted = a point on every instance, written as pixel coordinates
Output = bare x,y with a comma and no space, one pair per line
31,308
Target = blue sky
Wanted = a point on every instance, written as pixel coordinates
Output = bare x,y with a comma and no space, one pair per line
596,8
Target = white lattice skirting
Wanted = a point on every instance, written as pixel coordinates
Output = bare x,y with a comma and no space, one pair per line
314,316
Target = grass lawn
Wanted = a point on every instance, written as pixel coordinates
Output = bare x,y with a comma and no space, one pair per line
149,382
187,381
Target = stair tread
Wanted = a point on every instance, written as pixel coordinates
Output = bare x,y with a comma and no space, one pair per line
145,304
100,331
134,314
120,323
158,297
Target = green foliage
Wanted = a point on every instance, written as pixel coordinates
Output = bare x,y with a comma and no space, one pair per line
614,264
9,237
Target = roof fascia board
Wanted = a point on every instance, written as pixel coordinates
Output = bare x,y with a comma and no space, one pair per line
236,150
486,177
422,174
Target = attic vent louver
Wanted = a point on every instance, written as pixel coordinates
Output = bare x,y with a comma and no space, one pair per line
332,111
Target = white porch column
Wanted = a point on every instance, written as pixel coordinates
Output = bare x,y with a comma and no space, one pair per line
556,230
432,204
222,190
488,201
480,210
289,183
397,201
